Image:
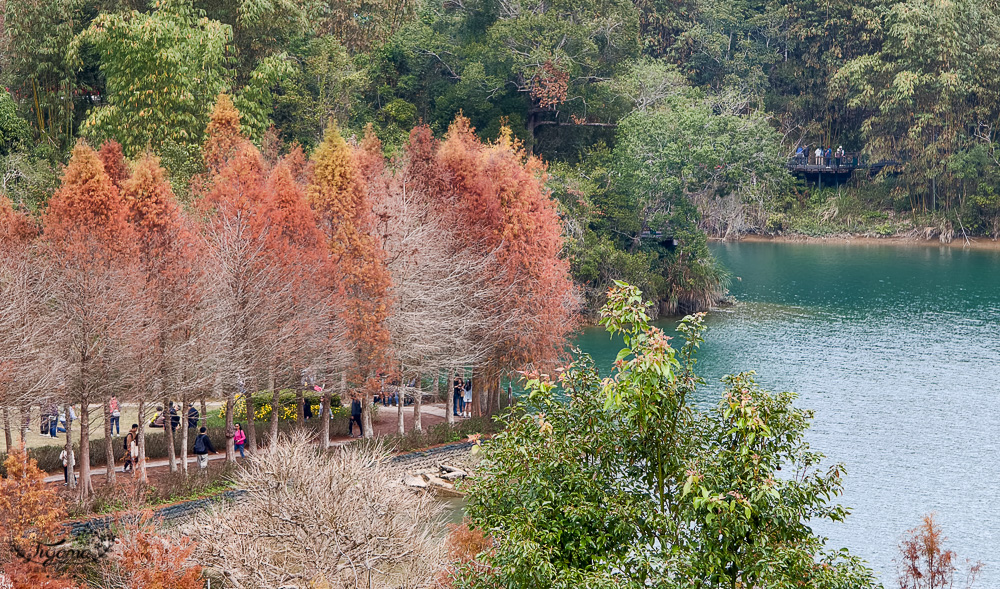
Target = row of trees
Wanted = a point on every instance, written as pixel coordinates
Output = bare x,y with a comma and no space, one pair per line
345,266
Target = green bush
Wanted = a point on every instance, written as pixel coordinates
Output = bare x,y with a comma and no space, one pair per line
288,401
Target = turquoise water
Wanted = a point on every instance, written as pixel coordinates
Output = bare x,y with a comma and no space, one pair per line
897,350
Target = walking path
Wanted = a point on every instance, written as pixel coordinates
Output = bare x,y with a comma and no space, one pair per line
385,412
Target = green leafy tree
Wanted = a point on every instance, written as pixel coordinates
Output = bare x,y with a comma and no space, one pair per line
931,90
164,70
36,35
14,132
622,482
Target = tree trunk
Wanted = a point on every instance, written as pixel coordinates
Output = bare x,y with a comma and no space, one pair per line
26,422
449,401
71,463
8,439
275,405
141,467
477,402
86,484
366,412
109,446
168,434
203,418
400,396
230,430
251,429
324,419
185,407
418,402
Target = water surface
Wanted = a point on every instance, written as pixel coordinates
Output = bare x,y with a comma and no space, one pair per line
896,349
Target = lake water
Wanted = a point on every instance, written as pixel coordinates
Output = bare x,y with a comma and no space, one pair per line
897,350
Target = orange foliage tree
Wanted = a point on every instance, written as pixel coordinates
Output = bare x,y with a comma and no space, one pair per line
167,251
339,196
97,315
143,559
30,513
495,192
30,510
265,251
18,313
435,285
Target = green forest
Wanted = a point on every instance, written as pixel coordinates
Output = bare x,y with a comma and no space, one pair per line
662,123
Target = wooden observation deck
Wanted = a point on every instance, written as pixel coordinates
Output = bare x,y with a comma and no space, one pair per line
834,169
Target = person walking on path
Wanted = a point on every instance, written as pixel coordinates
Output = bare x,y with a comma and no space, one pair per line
240,439
467,400
131,449
458,395
355,417
202,446
116,416
67,458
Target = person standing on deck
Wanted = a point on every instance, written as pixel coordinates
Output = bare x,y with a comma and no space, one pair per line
819,156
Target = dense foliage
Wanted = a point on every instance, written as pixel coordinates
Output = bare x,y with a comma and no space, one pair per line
623,482
717,94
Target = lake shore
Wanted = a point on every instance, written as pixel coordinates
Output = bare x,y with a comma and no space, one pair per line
982,243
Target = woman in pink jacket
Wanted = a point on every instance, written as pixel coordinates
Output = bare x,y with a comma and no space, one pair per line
240,438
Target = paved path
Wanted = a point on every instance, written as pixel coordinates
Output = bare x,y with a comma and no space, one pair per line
436,410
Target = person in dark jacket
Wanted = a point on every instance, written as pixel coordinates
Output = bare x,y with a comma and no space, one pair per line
193,416
202,446
355,417
175,419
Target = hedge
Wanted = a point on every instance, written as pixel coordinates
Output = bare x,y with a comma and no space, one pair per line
48,459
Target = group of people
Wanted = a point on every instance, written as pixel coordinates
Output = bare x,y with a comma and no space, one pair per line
160,418
821,156
53,422
462,396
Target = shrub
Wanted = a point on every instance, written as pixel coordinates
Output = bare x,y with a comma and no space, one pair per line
320,519
142,559
288,402
30,511
926,564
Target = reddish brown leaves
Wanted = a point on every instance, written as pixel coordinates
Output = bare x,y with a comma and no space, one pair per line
114,162
30,510
338,194
550,86
499,200
87,209
224,135
926,564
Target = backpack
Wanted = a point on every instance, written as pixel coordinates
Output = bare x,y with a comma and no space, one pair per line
125,445
199,445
